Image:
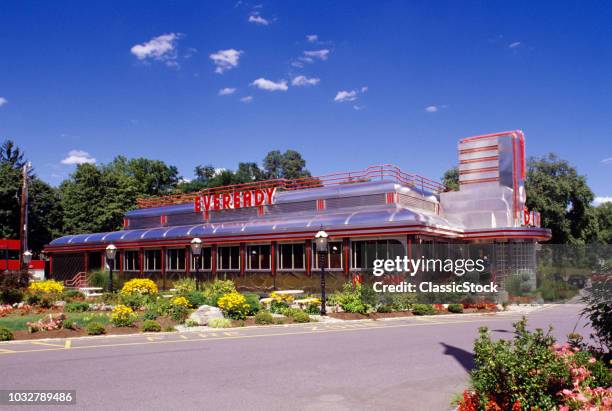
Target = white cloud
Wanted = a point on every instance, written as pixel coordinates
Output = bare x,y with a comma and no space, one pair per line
78,157
270,85
605,160
247,99
322,54
431,109
225,59
160,48
358,108
514,45
601,200
344,95
257,19
3,101
305,81
227,91
364,89
312,38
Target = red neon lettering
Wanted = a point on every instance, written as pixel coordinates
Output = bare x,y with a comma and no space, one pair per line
259,197
206,203
236,199
270,194
246,199
226,200
216,201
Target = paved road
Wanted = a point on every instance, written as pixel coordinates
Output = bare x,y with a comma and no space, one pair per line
409,364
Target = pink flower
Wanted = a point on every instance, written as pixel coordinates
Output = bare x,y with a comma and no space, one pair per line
592,360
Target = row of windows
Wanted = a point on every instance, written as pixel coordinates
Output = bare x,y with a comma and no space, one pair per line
291,256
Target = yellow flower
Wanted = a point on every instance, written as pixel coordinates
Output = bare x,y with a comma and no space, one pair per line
123,316
46,287
180,301
279,298
140,286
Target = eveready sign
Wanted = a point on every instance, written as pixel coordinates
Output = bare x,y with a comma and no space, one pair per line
237,199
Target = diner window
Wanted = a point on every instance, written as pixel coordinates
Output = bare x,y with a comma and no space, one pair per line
115,262
258,257
131,261
152,260
175,259
205,259
333,259
291,256
228,258
365,252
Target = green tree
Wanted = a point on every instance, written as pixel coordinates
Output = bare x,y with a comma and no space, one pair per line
83,200
562,196
248,172
451,179
289,164
604,221
45,213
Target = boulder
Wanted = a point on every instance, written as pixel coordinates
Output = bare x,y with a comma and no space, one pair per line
205,313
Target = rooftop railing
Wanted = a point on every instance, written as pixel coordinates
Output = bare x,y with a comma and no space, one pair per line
372,173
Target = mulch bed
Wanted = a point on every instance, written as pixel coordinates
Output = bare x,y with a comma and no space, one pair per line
80,332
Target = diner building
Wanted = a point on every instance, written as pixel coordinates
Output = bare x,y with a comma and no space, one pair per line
261,234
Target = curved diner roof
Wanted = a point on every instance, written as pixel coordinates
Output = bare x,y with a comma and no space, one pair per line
353,221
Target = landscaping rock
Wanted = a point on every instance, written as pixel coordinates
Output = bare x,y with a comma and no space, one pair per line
59,304
205,313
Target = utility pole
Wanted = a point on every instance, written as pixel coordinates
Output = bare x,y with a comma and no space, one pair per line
23,216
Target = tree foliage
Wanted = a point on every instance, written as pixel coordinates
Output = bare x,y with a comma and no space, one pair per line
451,179
45,213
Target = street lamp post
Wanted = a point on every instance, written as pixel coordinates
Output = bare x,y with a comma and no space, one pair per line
111,251
27,257
321,240
196,251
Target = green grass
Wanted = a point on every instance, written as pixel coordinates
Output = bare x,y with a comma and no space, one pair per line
18,322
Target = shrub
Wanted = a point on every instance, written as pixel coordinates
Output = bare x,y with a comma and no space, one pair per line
134,301
599,310
46,301
191,323
10,281
5,334
139,286
179,313
219,323
123,316
150,315
402,301
423,309
455,308
384,308
213,291
350,299
196,299
99,278
264,317
151,326
234,305
278,307
11,296
32,299
313,306
298,316
46,287
69,295
69,324
169,329
76,307
252,300
95,328
185,285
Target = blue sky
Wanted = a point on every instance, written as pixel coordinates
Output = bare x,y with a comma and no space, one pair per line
348,84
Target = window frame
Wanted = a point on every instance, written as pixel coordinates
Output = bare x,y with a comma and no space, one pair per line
315,257
279,254
219,258
248,249
170,259
202,260
136,261
352,251
146,260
